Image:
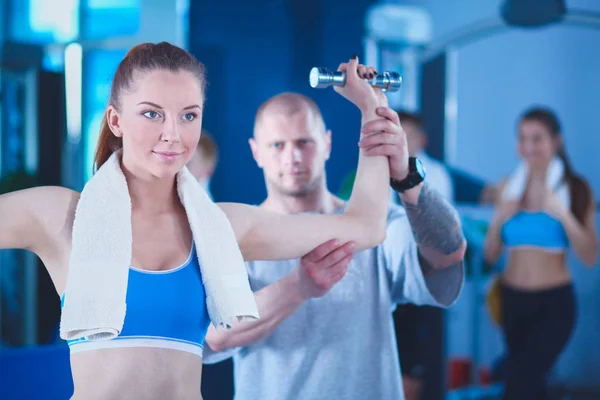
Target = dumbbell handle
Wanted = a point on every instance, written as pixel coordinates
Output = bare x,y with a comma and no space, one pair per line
322,77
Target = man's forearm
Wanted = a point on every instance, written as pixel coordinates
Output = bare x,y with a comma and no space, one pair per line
275,303
436,227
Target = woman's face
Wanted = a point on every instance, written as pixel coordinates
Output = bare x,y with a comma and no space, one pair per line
160,122
536,145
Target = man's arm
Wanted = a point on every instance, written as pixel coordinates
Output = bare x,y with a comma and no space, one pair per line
314,276
435,223
436,228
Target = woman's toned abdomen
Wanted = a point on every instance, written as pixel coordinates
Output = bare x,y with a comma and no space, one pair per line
533,269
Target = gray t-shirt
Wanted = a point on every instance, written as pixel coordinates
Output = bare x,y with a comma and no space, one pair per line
341,345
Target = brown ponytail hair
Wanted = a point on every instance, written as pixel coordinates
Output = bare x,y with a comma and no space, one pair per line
578,187
142,58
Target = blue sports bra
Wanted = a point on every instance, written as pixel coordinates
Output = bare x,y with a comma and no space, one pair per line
165,309
534,229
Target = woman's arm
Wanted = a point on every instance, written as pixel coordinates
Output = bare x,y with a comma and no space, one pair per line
265,235
18,225
583,237
35,219
492,247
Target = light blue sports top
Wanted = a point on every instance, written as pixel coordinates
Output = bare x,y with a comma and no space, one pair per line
165,309
534,229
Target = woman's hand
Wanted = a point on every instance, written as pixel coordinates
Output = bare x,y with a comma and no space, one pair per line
505,210
492,247
357,90
554,207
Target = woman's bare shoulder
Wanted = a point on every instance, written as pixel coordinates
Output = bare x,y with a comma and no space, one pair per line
52,199
37,218
41,200
51,207
56,192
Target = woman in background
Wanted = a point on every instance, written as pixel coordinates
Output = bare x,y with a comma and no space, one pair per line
544,209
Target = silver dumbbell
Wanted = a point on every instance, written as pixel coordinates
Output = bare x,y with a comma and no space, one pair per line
322,77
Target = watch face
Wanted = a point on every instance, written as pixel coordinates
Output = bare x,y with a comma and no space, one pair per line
420,168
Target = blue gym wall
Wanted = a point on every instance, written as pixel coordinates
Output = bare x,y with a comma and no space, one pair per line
259,49
2,22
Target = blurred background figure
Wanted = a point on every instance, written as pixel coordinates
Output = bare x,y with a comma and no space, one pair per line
205,159
545,208
438,177
416,325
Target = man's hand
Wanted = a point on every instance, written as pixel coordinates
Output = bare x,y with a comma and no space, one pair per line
322,268
314,276
385,137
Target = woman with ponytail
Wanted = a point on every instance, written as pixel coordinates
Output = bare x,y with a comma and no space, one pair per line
150,130
544,210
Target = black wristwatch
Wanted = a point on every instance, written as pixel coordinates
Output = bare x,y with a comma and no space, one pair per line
416,175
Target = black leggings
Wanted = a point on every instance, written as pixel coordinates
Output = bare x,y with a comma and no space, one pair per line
537,326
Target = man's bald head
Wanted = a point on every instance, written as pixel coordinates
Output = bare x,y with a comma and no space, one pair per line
286,105
291,145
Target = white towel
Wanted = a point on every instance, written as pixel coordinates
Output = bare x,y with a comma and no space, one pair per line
94,303
517,182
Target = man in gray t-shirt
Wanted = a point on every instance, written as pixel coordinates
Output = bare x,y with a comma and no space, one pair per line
326,329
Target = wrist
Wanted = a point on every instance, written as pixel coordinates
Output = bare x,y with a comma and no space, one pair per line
383,101
565,216
400,175
495,224
411,196
369,111
402,182
291,285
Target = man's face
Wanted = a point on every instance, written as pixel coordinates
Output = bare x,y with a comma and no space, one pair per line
292,151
